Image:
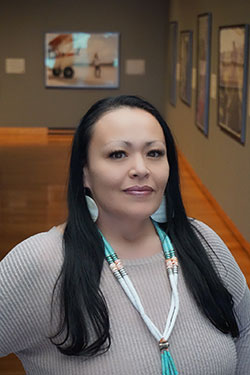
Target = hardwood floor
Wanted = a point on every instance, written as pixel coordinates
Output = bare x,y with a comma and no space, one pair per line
33,174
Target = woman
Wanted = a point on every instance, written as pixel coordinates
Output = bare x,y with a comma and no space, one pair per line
97,65
124,158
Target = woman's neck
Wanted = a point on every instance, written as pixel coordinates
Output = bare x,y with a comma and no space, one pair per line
131,239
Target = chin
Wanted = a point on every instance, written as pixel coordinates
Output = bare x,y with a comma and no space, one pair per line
134,212
140,215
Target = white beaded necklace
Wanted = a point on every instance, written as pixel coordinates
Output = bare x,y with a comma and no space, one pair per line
168,366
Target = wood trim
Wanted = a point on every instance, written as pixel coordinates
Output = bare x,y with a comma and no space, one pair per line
228,222
61,131
23,131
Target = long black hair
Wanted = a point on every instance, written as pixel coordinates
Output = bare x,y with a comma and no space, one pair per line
84,326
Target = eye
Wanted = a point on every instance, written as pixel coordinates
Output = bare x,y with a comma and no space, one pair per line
156,153
119,154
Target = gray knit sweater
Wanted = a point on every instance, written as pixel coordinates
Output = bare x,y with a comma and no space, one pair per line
27,277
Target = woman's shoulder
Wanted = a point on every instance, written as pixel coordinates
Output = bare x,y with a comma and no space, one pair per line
28,275
39,253
222,259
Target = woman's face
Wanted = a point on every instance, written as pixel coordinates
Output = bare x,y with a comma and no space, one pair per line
127,169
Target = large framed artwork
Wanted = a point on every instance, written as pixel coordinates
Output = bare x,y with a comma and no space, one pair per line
203,72
82,60
232,79
173,32
186,52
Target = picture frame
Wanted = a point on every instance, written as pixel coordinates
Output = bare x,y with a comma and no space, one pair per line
203,71
173,36
81,60
232,79
186,53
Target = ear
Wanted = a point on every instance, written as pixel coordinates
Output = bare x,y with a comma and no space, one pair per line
86,182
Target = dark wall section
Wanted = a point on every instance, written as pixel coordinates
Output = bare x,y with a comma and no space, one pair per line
24,100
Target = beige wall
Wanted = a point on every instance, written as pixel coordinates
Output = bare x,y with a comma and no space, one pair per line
222,163
24,101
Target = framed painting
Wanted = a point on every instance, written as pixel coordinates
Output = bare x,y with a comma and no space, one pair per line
186,52
232,79
203,72
173,32
82,60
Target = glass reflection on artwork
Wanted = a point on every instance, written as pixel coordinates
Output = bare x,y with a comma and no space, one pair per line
203,72
80,60
173,61
233,79
186,66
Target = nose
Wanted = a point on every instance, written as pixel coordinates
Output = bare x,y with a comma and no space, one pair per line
138,167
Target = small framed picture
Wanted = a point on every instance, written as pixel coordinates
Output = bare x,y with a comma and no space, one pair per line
173,32
82,60
203,71
232,79
186,52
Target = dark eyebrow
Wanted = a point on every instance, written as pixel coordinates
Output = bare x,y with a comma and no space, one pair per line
150,143
129,144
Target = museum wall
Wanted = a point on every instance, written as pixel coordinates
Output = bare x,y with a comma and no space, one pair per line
24,100
221,161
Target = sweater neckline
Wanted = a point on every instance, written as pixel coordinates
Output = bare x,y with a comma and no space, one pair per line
144,260
127,261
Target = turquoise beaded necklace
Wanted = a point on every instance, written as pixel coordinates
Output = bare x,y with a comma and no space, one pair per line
171,262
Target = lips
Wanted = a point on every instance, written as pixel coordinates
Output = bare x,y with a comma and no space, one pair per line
139,190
